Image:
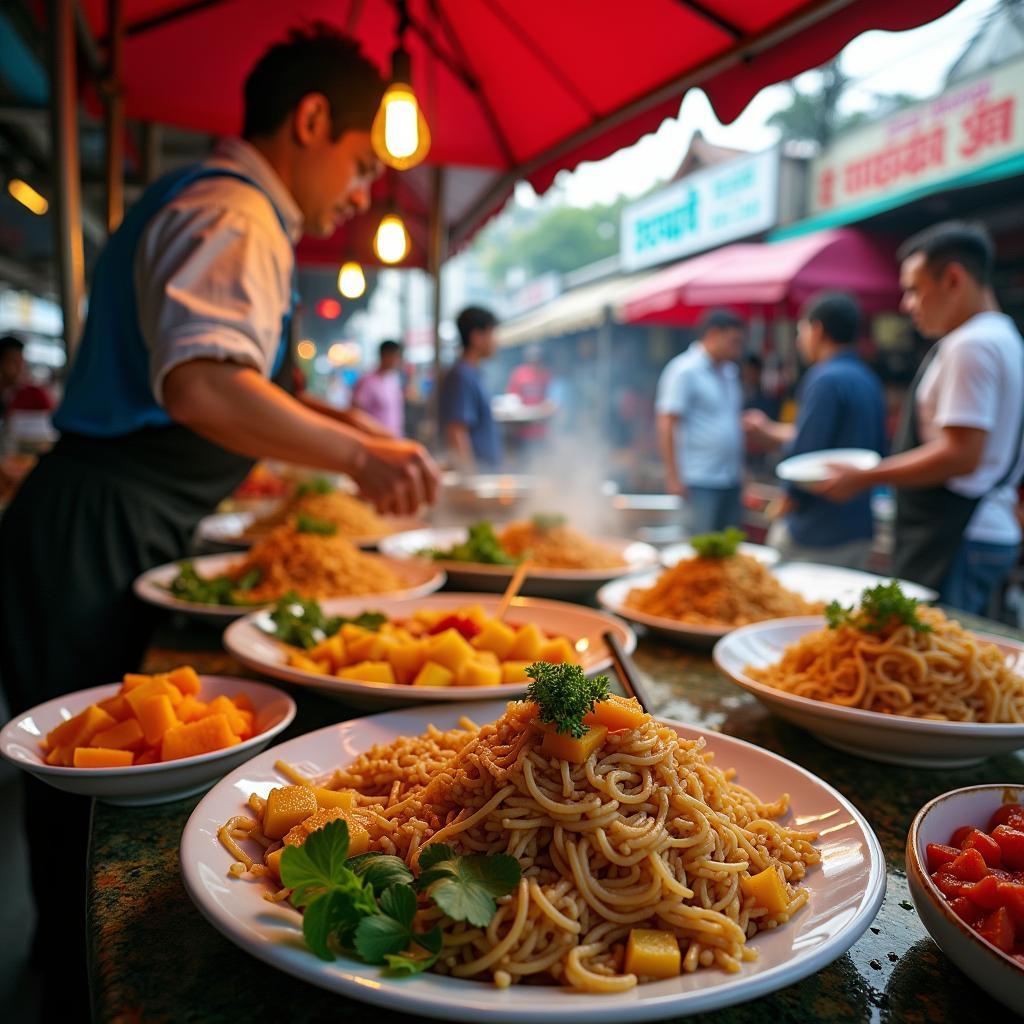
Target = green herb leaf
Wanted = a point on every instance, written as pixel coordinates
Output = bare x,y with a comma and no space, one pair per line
404,964
318,485
466,888
310,524
433,854
318,864
378,936
302,623
882,609
718,545
545,521
189,586
563,695
482,545
381,870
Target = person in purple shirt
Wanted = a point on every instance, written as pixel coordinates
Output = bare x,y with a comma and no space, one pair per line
379,393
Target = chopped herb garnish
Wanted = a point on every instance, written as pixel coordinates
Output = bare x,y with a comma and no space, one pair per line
546,521
318,485
882,608
303,623
718,545
466,888
482,545
563,695
189,586
310,524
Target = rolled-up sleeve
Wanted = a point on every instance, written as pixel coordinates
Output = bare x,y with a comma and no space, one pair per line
211,283
671,397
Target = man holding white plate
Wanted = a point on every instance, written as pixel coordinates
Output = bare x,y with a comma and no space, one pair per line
959,441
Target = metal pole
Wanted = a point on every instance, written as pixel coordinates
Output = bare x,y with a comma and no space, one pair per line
152,146
435,258
114,115
67,181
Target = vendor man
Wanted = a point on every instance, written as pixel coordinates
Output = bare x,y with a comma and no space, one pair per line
959,441
180,382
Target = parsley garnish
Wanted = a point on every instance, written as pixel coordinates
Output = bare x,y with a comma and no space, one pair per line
188,585
718,545
310,524
563,695
303,624
482,545
881,608
368,904
318,485
543,522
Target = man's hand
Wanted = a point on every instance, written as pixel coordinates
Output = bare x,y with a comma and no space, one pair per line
397,476
843,484
754,423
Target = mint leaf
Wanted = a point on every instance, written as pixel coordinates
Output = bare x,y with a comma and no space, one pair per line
335,913
318,864
466,888
432,854
379,936
399,902
380,870
405,964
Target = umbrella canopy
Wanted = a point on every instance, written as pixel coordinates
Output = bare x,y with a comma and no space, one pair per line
521,88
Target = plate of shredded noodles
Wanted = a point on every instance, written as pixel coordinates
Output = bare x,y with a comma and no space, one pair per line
501,869
313,563
888,679
564,562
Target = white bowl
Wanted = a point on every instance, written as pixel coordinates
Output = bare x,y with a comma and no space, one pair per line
894,739
988,967
420,576
812,467
139,785
540,582
248,641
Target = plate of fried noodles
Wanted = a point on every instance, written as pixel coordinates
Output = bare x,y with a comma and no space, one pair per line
532,861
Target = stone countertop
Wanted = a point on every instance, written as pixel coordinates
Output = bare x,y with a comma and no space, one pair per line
154,958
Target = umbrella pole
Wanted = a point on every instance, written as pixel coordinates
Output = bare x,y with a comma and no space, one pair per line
67,179
114,116
438,242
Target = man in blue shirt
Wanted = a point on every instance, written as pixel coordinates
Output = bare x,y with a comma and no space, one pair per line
470,434
841,406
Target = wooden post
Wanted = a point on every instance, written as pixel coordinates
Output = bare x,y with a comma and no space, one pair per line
114,99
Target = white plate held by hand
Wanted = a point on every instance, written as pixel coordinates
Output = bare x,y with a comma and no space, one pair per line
812,467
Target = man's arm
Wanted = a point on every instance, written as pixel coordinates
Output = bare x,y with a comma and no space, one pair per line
757,424
955,452
667,424
351,417
459,444
237,408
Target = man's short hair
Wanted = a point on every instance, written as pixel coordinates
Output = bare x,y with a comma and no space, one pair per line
389,347
315,58
9,343
474,318
838,313
953,241
721,320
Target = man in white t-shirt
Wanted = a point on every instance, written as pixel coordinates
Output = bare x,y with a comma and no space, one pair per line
959,446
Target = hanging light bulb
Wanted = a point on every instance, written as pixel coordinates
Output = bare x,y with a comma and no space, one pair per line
391,242
351,280
400,135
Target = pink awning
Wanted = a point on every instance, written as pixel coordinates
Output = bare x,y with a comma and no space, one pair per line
782,274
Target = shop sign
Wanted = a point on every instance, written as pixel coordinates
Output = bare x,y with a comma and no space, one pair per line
966,128
706,209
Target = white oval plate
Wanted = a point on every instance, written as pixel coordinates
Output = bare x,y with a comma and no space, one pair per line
894,739
988,967
846,891
140,785
811,467
228,529
674,553
541,582
423,578
813,582
254,647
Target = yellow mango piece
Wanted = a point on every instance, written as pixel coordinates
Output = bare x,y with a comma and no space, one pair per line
273,861
358,836
407,659
369,672
616,713
126,735
242,702
191,710
433,674
429,618
343,798
154,688
450,649
569,748
77,731
350,631
475,613
203,737
515,671
479,673
287,806
652,953
117,707
767,888
186,679
528,642
101,757
557,651
363,648
61,757
488,658
132,680
302,661
495,636
150,756
222,705
156,715
333,650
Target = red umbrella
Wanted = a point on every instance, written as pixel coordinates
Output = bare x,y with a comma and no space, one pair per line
521,88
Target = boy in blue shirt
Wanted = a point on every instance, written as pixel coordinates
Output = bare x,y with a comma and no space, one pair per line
841,405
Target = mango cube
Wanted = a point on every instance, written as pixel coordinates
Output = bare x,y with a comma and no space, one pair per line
126,735
652,953
515,671
433,674
186,679
101,757
450,649
287,806
369,672
343,798
569,748
407,659
767,888
557,651
495,636
479,673
528,642
77,731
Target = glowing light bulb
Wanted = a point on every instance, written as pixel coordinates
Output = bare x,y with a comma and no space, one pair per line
27,196
391,243
305,350
351,280
400,135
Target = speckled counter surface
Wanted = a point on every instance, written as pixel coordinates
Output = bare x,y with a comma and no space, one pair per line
155,959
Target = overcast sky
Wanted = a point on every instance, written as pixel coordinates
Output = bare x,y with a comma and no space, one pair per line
881,62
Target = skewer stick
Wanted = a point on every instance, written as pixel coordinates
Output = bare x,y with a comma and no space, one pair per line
512,589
